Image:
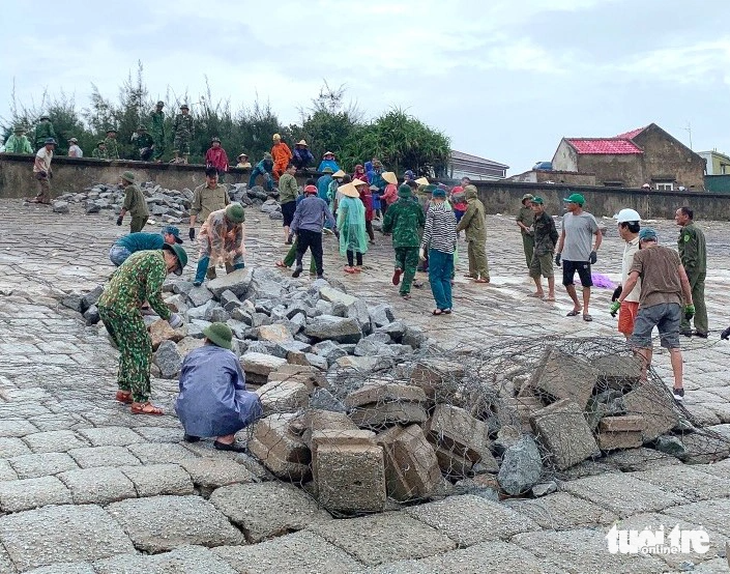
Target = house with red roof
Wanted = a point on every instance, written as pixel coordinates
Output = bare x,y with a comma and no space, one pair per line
647,155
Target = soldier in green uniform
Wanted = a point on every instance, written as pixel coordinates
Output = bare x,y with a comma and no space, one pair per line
693,253
18,142
473,224
112,146
157,124
525,220
404,220
144,143
138,280
99,152
182,130
43,131
134,203
207,198
546,238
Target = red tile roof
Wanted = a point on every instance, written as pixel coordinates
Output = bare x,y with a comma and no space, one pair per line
607,146
631,135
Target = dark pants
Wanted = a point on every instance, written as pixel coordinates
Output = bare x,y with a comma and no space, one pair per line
311,240
439,275
352,256
383,207
291,257
138,223
369,230
406,258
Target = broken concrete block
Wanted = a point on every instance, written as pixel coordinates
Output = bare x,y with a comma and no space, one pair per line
363,364
160,331
655,405
623,423
562,376
260,364
283,397
609,440
453,465
456,430
617,372
349,471
431,374
279,449
376,393
319,420
411,467
386,414
563,430
310,376
333,295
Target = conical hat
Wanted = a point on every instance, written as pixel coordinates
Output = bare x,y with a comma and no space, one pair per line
390,177
349,190
422,181
339,173
357,182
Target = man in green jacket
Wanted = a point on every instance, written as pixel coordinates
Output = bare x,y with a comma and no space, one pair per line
182,132
474,225
134,203
288,193
157,129
112,145
693,253
99,152
404,220
143,141
44,131
525,219
18,142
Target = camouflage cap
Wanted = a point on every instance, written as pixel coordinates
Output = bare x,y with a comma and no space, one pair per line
160,104
102,142
73,140
216,139
184,107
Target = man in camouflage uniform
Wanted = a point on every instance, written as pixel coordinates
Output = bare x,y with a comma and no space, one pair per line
18,142
474,225
404,220
99,152
139,279
524,220
44,131
157,123
693,253
221,239
182,130
546,237
144,142
112,145
134,203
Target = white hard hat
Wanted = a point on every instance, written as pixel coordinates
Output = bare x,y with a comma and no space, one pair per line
626,215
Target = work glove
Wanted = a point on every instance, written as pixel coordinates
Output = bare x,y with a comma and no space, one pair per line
617,293
422,254
615,306
175,320
120,219
689,311
557,259
593,257
725,334
191,234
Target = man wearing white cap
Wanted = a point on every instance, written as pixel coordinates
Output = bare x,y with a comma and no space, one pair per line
628,221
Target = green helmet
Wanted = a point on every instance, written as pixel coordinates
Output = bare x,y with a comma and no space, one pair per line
235,213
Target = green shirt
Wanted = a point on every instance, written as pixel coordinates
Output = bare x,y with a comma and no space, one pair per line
157,127
527,217
134,201
404,220
137,280
43,131
99,153
692,250
288,188
112,148
473,222
18,144
206,201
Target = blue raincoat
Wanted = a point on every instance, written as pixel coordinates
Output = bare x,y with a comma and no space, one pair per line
331,163
213,399
323,184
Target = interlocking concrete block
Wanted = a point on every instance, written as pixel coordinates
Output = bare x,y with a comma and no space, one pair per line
617,372
608,440
61,534
37,465
109,436
103,456
432,375
159,479
19,495
349,475
187,560
562,511
98,485
411,467
561,376
212,473
307,374
283,397
655,405
268,509
12,446
65,568
163,523
623,423
54,441
279,449
455,430
377,393
385,414
7,472
16,428
319,420
160,453
563,430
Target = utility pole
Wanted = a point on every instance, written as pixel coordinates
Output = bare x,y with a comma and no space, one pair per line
688,129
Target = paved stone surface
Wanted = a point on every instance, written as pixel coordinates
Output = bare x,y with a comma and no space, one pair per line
98,485
58,416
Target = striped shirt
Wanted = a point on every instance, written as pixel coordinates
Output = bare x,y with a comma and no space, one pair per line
440,230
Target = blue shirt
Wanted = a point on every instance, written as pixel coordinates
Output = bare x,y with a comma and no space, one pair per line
311,214
141,241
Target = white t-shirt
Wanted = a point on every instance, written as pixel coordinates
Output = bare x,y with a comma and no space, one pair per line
579,232
75,151
630,250
43,160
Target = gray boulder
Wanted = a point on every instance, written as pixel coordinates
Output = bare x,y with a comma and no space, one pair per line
382,315
199,296
521,467
372,345
236,282
91,315
339,329
60,207
168,359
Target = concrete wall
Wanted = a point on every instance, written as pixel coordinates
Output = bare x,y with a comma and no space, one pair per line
565,158
625,168
504,197
568,177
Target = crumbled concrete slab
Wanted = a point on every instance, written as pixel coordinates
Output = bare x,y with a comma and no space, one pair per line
183,560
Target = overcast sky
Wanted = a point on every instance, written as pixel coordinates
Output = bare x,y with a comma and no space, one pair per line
505,79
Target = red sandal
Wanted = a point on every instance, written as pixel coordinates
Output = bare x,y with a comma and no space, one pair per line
146,409
124,397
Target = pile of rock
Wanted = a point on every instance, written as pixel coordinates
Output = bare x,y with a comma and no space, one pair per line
168,205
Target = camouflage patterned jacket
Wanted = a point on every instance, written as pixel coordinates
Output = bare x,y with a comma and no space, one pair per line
182,127
404,219
140,279
546,236
43,131
112,148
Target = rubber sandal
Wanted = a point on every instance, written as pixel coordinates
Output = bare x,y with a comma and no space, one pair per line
280,264
191,438
349,269
396,276
437,312
549,299
572,313
228,447
124,397
587,318
447,311
405,296
146,409
480,280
